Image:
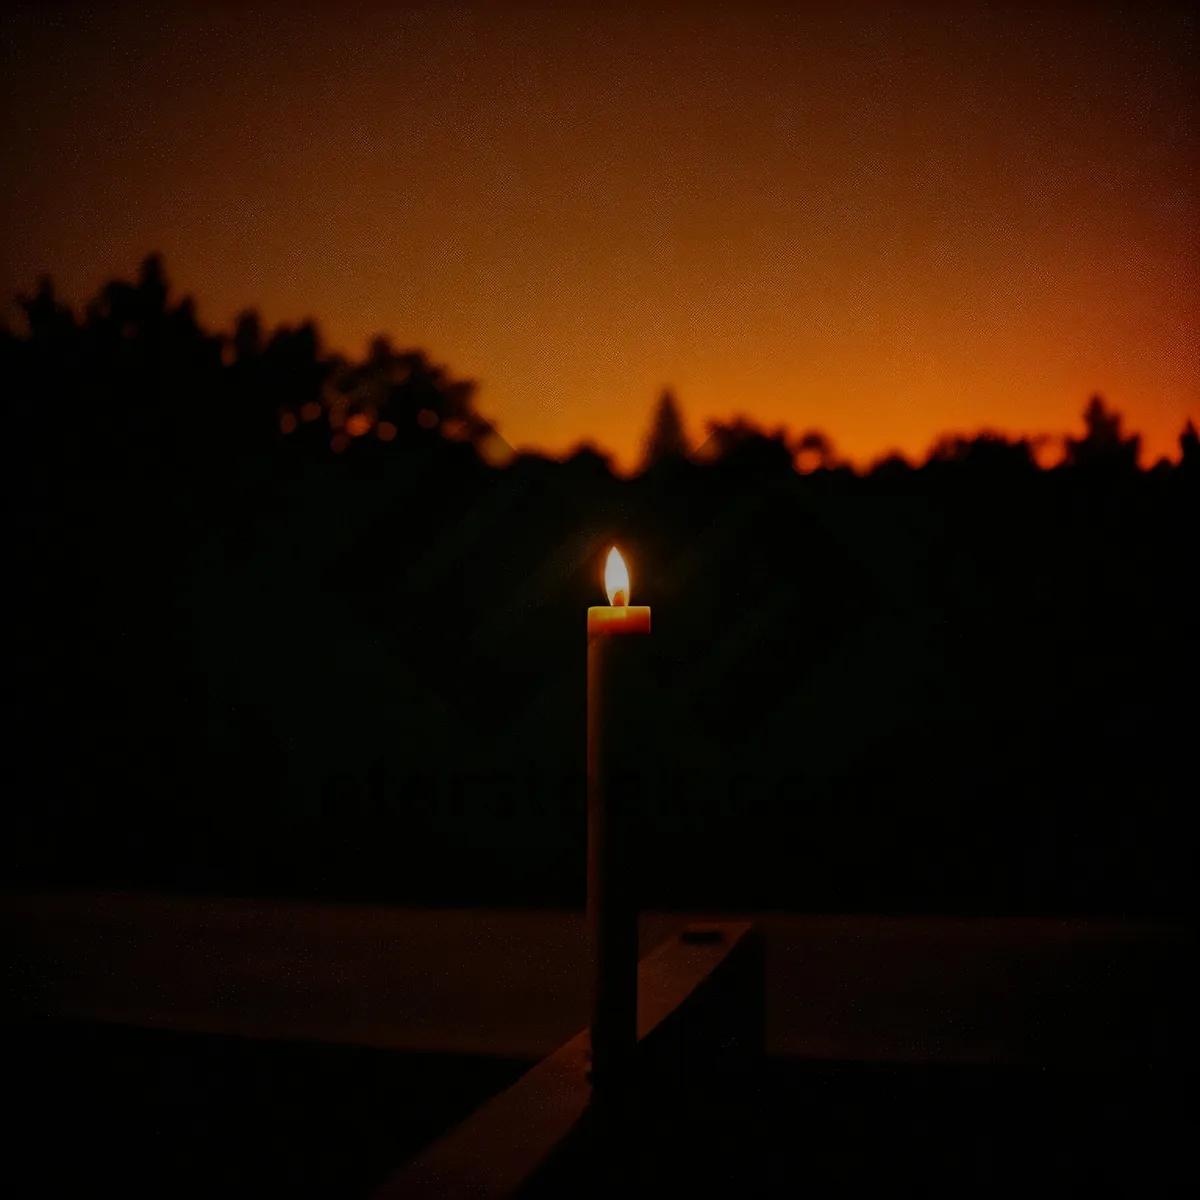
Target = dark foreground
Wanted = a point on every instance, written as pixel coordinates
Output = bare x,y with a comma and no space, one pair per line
133,1112
818,1128
103,1108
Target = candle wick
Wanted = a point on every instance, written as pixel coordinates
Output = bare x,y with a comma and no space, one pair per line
619,598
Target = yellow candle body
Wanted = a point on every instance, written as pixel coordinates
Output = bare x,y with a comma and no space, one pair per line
606,619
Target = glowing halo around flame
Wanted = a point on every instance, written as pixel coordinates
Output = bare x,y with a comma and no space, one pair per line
616,579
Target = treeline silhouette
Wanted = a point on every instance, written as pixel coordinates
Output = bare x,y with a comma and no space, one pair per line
285,622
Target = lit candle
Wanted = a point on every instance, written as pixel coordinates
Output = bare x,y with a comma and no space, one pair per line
611,904
618,616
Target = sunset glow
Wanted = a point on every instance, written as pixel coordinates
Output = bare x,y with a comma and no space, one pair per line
885,225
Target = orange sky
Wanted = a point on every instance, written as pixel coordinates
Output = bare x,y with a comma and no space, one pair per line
885,227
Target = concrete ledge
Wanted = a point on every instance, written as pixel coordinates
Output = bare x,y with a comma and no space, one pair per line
700,1001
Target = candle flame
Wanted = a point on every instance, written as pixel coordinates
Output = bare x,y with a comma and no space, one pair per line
616,579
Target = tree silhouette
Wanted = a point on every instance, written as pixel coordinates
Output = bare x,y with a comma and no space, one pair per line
814,451
247,337
152,287
1103,447
987,454
722,437
401,396
743,450
666,438
892,465
1189,449
589,461
50,323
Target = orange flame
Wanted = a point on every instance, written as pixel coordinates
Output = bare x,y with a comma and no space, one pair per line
616,579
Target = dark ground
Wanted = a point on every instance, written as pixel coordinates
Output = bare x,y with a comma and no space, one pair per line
131,1112
804,1127
153,1113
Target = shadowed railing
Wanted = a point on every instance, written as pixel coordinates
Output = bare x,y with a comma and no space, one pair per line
913,1033
701,1019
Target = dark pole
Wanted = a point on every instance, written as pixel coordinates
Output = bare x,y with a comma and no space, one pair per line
612,911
